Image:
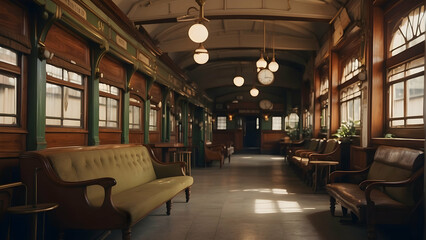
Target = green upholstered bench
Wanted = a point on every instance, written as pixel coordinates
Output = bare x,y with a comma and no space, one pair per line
387,192
103,187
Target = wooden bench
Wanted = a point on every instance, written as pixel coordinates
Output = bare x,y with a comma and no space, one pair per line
103,187
388,192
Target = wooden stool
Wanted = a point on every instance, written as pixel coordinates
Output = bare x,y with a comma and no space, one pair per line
185,156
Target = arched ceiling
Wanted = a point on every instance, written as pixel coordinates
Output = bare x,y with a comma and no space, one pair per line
294,29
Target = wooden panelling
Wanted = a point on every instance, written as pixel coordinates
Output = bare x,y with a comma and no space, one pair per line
68,47
360,157
136,137
270,141
138,85
14,25
113,72
225,136
12,144
156,93
399,142
109,137
154,137
61,139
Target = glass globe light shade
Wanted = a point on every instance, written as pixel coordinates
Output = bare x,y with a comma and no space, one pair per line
273,66
261,63
198,33
254,92
238,81
258,69
201,55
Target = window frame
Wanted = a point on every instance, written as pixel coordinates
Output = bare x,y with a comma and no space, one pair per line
150,124
62,83
114,97
140,105
393,20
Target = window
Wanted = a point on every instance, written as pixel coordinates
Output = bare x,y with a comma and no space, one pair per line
9,80
221,123
324,85
153,118
405,71
324,116
257,123
350,104
109,97
64,97
172,123
350,95
277,123
135,114
351,69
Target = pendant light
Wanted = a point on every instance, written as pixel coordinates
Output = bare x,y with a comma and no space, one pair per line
273,66
201,55
198,33
261,63
239,80
254,92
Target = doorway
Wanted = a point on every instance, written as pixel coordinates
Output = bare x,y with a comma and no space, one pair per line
251,133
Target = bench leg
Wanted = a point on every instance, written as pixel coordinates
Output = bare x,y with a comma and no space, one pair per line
126,233
332,205
187,193
169,206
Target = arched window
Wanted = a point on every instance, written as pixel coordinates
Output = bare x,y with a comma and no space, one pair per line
405,71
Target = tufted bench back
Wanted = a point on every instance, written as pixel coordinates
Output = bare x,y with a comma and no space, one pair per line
130,166
397,164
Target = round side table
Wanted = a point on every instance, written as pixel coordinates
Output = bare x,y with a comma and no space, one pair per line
33,210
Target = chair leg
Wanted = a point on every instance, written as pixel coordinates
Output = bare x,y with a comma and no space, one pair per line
187,193
169,206
126,233
332,205
344,211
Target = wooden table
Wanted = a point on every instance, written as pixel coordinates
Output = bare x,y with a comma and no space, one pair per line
165,149
327,164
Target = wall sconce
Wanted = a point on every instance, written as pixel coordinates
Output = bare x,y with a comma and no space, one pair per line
230,117
266,117
43,53
98,73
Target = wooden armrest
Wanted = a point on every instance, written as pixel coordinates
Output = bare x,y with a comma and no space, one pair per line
106,182
374,185
365,183
337,174
332,156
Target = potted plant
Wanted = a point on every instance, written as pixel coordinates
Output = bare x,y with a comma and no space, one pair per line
346,131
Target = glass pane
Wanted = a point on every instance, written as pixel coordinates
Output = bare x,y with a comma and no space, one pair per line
357,109
112,109
102,110
8,56
415,96
397,123
8,120
53,100
350,110
102,123
72,123
53,122
72,103
8,94
103,87
114,90
343,112
277,123
136,114
152,120
130,115
73,77
415,121
54,71
397,100
221,123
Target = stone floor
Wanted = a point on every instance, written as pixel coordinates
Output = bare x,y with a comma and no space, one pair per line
253,197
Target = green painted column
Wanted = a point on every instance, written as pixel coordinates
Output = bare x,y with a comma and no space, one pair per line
185,122
147,108
93,93
36,100
198,136
125,117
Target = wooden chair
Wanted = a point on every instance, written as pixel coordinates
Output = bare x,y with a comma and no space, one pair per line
214,152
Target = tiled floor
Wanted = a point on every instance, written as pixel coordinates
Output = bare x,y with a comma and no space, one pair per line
254,197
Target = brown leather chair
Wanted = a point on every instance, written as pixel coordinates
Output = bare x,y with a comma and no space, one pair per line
214,152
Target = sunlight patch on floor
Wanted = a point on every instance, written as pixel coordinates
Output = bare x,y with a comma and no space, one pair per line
265,206
277,191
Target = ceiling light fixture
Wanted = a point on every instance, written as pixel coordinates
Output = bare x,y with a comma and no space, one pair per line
198,33
254,92
261,63
273,66
201,55
239,80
